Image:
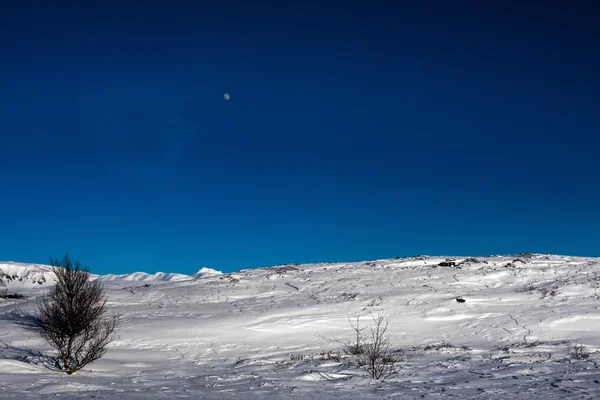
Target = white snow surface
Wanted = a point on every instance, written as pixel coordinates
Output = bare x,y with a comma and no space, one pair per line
269,333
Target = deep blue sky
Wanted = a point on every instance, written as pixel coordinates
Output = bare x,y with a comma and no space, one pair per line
353,131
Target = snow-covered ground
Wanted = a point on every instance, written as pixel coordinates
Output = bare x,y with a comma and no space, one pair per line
266,333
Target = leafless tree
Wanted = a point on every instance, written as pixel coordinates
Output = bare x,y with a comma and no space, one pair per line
354,346
73,317
380,362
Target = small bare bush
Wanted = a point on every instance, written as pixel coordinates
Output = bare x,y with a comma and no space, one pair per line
73,319
355,345
444,346
380,362
578,351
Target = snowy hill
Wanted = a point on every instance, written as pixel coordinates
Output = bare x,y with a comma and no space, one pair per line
144,277
158,277
206,272
27,277
482,328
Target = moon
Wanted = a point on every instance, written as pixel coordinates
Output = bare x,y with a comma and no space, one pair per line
226,96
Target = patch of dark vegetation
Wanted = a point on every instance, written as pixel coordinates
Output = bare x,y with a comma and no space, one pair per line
442,346
14,277
543,291
470,260
229,278
447,263
525,289
17,296
521,345
349,296
508,347
460,300
284,269
548,292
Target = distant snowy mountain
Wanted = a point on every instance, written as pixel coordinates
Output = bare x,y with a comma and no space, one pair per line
158,277
21,276
25,276
205,272
144,277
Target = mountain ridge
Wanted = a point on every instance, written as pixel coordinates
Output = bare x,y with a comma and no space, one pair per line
29,276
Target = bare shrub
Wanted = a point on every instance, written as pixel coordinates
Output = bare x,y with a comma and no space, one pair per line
520,345
355,345
381,363
545,292
444,345
72,319
578,351
349,296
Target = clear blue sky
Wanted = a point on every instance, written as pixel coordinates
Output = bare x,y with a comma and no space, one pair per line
353,131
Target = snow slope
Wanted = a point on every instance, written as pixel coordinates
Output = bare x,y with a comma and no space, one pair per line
268,333
21,277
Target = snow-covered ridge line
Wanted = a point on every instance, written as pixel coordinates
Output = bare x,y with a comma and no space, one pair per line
159,276
36,275
22,274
